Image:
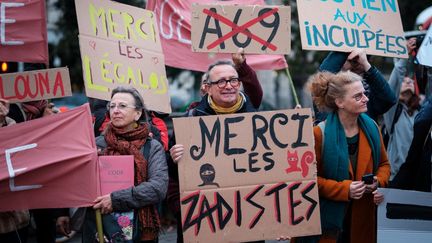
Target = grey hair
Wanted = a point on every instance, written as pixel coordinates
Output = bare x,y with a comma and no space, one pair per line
218,63
139,101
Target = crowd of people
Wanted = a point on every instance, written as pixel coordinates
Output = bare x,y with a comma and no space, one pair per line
353,105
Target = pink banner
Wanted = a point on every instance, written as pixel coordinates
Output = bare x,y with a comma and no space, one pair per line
174,22
23,32
49,162
116,173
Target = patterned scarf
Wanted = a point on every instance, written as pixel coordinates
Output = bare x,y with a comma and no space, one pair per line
221,110
34,109
122,142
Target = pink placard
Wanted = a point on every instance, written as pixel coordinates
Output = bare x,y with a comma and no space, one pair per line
23,32
50,162
174,23
116,173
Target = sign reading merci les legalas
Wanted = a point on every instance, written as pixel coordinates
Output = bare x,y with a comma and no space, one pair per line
120,45
343,25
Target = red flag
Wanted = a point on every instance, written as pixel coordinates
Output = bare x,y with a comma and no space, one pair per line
23,32
49,162
174,22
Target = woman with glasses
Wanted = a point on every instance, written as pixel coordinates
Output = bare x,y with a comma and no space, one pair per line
128,134
348,145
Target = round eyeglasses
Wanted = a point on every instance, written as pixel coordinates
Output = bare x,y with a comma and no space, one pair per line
221,83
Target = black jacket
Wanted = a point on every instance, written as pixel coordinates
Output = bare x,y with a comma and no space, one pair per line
415,173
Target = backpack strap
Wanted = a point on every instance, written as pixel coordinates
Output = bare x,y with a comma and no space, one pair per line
145,150
396,116
429,134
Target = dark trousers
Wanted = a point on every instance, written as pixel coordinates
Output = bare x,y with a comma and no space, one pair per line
150,241
45,221
19,236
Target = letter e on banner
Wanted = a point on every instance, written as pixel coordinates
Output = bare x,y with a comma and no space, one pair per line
12,171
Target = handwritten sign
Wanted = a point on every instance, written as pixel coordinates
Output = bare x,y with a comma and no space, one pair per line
257,29
248,176
116,173
343,25
120,45
424,55
35,85
23,33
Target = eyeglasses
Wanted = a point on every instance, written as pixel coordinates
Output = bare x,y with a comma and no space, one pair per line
221,83
360,96
120,106
408,81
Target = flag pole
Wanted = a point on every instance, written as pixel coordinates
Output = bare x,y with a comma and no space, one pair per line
292,87
99,225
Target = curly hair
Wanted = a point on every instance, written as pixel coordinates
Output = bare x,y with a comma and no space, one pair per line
326,87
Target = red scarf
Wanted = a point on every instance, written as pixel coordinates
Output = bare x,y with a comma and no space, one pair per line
34,109
122,142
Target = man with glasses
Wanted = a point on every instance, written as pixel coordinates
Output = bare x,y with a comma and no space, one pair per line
223,97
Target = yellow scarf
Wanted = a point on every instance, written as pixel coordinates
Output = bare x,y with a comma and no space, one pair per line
230,110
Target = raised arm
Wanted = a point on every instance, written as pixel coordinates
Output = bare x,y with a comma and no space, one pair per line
247,75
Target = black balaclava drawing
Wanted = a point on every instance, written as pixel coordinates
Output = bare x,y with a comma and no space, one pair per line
208,174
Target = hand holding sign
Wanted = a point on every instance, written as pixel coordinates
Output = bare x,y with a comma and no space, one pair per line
4,107
177,152
357,62
238,57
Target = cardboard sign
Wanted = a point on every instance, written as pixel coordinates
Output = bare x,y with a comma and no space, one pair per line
174,22
248,176
116,173
120,45
405,216
337,25
424,55
257,29
23,33
50,162
35,85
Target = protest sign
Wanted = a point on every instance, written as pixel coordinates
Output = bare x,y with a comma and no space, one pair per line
120,45
23,33
257,29
50,160
116,173
405,216
248,176
35,85
174,22
337,25
424,55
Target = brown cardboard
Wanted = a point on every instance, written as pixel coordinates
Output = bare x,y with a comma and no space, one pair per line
295,173
378,21
120,45
35,85
209,17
